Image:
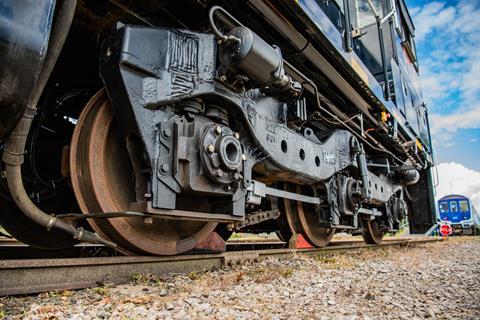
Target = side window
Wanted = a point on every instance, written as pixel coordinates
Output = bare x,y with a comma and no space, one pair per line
463,206
453,206
443,207
340,5
365,16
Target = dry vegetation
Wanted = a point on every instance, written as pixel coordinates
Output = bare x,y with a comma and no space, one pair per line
435,280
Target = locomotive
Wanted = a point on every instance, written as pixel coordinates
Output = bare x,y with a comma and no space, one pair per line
147,125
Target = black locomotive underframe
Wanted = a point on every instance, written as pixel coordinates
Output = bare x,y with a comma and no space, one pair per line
163,88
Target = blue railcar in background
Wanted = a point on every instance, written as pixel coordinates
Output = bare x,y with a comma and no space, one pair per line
460,213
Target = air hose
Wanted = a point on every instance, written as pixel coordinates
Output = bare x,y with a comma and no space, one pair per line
15,147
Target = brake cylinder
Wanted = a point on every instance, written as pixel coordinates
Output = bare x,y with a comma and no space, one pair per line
255,58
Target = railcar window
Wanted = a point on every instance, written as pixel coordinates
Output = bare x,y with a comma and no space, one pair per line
364,14
463,206
453,206
444,207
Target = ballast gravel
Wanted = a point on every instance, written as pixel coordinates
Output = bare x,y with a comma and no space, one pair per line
435,281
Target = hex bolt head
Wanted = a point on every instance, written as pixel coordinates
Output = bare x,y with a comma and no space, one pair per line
164,168
237,176
218,130
219,173
148,220
210,148
237,135
244,157
167,133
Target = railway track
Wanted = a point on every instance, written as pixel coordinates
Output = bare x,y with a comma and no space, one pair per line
28,276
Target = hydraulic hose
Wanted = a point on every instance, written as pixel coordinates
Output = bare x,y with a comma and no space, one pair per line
15,147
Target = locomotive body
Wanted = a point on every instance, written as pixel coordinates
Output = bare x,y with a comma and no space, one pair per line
163,121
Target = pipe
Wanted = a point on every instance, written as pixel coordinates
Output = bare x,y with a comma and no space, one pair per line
15,147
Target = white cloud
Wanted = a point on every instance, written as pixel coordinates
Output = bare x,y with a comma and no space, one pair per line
448,38
424,23
455,178
453,122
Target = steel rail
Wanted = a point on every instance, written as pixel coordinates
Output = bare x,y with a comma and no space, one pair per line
28,276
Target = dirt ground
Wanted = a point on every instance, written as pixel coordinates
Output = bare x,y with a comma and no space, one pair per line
436,281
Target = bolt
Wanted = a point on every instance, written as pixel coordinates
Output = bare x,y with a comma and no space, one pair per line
237,135
218,129
223,77
148,220
164,168
219,173
228,188
244,157
237,176
210,148
167,133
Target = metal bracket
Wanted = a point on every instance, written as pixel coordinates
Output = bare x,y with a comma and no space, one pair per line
258,190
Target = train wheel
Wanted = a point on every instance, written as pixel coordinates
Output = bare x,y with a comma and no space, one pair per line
103,180
372,234
302,218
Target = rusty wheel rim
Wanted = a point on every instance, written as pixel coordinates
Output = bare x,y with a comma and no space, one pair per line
372,233
102,179
302,218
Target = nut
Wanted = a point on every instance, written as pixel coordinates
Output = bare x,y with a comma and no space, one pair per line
211,148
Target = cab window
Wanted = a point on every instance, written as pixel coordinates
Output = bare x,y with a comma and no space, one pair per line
453,206
463,206
443,207
364,14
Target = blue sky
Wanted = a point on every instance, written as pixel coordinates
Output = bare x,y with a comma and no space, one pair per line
448,46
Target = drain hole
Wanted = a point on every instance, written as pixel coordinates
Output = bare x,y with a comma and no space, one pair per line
283,144
302,154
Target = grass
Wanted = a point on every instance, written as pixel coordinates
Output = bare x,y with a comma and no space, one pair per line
103,291
147,279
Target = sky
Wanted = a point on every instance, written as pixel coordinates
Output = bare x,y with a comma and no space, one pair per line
448,48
